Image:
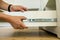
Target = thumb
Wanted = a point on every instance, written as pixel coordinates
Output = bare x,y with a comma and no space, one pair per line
23,18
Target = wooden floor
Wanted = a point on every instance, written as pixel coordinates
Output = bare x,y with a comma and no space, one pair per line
26,34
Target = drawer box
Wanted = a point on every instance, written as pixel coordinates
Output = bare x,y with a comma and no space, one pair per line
36,18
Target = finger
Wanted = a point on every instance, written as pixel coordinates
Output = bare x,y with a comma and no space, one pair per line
17,26
24,8
22,18
12,10
22,25
14,26
20,9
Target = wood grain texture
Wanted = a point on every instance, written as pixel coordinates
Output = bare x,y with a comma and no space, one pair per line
25,34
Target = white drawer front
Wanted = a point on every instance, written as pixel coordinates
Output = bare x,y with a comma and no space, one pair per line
37,18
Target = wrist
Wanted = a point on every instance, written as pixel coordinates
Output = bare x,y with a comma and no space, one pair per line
4,16
1,15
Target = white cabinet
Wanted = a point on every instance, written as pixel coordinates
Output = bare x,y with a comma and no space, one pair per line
58,18
56,29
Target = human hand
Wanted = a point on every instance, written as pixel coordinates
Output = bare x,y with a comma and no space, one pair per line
16,22
17,8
